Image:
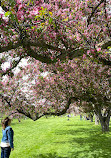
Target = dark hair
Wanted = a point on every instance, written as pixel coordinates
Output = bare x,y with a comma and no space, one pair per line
5,122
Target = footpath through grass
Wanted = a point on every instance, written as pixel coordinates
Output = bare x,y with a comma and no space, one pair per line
56,137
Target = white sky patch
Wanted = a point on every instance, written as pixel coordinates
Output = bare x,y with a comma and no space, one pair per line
5,66
42,101
25,77
16,70
44,74
5,78
23,63
1,10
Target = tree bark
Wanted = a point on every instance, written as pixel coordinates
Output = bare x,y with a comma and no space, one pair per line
104,120
96,120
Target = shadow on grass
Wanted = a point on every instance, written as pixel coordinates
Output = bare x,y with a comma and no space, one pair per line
95,146
79,130
48,155
88,143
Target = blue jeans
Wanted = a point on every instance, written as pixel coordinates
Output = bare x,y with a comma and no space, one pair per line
5,152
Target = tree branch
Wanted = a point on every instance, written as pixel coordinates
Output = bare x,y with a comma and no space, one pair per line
105,61
59,113
108,27
10,46
43,45
9,70
93,11
35,116
44,59
106,44
63,53
5,98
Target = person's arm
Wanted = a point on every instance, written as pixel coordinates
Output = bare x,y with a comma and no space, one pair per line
10,138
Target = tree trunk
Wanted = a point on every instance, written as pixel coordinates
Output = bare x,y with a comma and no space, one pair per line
96,120
104,120
91,117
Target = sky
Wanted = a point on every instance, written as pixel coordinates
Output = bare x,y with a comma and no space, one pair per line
1,10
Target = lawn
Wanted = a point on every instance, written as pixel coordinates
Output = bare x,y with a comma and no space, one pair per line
57,137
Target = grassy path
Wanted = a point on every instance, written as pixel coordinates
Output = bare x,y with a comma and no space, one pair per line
56,137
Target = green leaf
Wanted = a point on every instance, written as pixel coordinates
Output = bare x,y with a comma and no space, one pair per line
60,69
7,13
39,30
16,19
50,20
12,3
12,17
32,27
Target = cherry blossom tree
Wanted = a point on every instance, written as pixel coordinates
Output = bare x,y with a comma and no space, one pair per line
49,30
56,34
86,82
41,89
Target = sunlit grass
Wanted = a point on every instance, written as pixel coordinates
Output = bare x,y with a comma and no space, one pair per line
58,137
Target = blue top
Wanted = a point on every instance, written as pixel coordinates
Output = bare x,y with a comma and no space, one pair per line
8,136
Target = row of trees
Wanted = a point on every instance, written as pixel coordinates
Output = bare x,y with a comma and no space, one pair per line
67,45
40,90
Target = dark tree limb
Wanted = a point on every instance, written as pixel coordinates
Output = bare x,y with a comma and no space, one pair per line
106,44
62,53
108,27
104,61
5,99
9,70
59,113
93,11
35,115
33,54
10,46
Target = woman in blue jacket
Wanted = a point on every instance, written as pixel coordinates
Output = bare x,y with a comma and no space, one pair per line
7,139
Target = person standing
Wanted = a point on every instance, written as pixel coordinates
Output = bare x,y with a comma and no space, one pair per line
7,138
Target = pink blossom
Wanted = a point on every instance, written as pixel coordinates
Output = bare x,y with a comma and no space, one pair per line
78,37
59,13
88,52
70,16
19,1
98,49
20,7
84,56
20,15
34,12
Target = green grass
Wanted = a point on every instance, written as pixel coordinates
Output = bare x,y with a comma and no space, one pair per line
56,137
